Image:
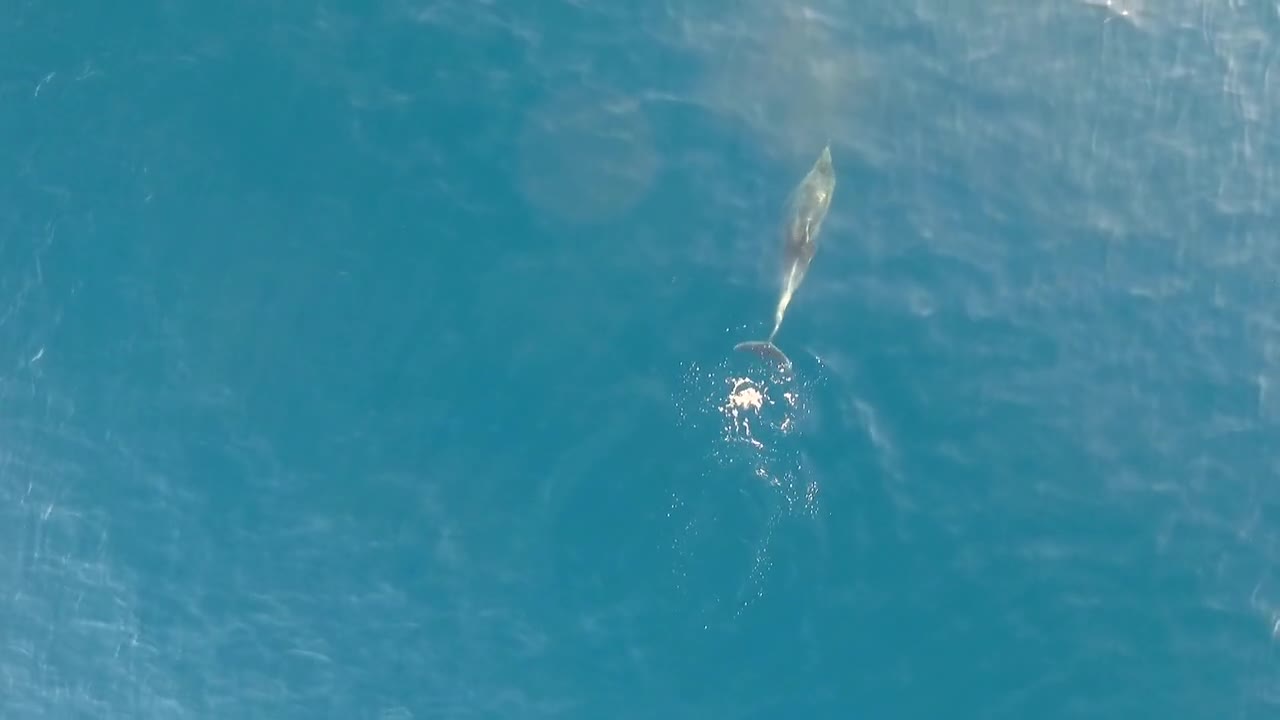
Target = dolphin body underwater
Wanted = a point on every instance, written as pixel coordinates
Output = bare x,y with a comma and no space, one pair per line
807,207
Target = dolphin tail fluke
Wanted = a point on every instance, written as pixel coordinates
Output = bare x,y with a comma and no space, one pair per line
767,350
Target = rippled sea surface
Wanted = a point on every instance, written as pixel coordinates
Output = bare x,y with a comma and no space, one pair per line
375,360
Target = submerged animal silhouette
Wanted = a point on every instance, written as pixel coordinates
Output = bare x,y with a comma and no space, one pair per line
807,207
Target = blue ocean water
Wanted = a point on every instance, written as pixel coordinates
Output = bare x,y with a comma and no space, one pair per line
374,360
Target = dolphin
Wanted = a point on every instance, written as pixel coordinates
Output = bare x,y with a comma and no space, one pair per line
806,209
